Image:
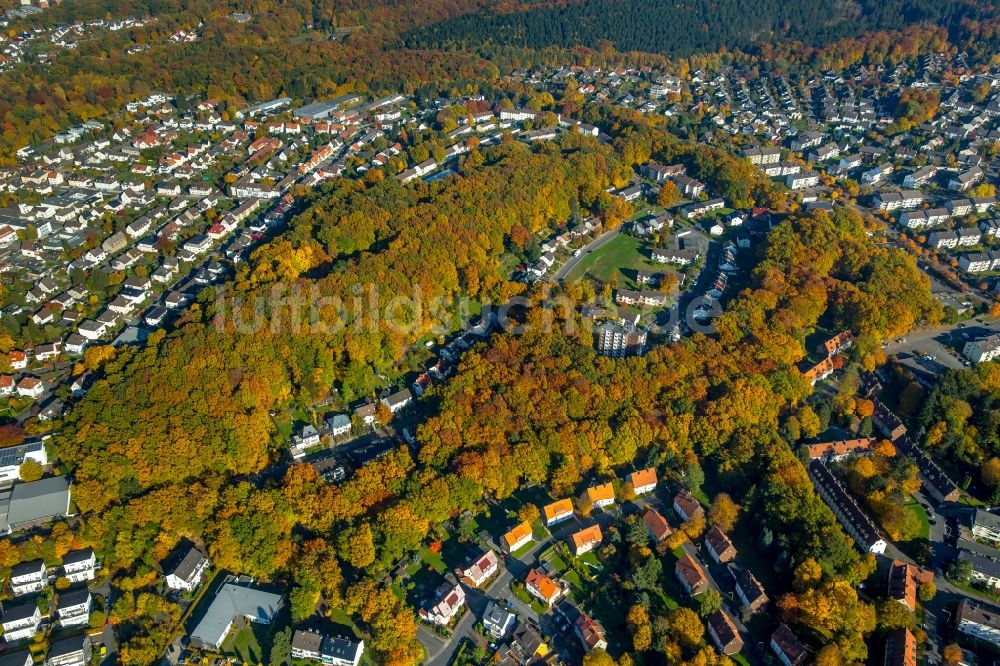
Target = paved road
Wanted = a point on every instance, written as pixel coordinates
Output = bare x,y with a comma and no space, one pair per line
941,342
595,244
440,652
730,602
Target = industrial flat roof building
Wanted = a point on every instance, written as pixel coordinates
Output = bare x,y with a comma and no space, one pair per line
322,110
29,503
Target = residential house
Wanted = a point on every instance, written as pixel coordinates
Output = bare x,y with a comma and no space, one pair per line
341,651
71,651
12,457
188,568
557,512
920,177
986,525
398,400
656,525
678,257
643,481
984,570
690,575
966,179
719,546
978,622
982,350
787,647
339,425
586,540
31,387
841,450
517,537
590,632
904,582
234,600
524,647
79,565
617,340
498,621
647,297
837,343
28,577
306,644
900,648
448,600
74,607
21,658
18,359
854,521
722,630
761,155
748,589
823,369
20,620
898,200
799,181
935,482
479,568
366,413
887,423
543,587
686,506
600,496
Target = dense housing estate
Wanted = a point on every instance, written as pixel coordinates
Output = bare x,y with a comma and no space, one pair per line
174,202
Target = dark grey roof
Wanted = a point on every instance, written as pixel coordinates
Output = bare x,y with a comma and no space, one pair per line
22,658
38,500
14,455
188,564
748,583
308,641
67,646
341,648
26,568
76,556
979,549
20,611
75,597
980,565
986,519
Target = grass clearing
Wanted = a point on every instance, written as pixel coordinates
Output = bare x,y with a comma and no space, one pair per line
921,514
619,258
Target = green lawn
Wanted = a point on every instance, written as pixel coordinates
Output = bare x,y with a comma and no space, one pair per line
619,257
433,560
917,546
523,550
921,514
245,646
523,595
538,531
553,558
740,659
591,560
